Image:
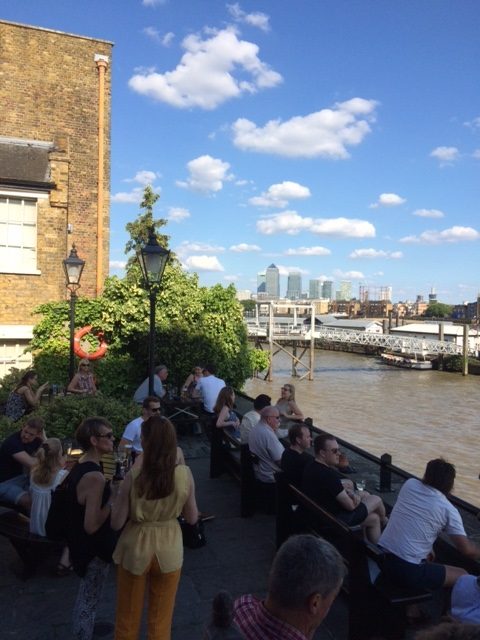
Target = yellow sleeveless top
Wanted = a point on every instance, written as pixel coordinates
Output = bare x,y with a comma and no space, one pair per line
153,529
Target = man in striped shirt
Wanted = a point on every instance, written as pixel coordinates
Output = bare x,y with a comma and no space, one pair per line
305,578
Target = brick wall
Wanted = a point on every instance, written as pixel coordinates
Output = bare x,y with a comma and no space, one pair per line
49,92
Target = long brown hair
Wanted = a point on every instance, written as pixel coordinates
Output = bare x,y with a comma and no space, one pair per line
224,398
159,441
48,461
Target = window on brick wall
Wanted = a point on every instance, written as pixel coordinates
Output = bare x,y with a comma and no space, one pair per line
18,234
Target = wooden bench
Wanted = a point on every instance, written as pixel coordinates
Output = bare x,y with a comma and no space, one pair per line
32,549
376,607
228,455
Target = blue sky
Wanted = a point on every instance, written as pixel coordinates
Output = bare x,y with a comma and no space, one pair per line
340,138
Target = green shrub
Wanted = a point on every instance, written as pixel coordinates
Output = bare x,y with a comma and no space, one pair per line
7,427
63,414
259,360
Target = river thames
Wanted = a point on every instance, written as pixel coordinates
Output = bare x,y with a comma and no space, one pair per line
413,415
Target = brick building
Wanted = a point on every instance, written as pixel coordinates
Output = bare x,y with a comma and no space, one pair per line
55,93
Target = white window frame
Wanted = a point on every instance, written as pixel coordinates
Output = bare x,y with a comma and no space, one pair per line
24,195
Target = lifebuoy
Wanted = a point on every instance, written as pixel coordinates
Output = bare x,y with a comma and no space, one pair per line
90,355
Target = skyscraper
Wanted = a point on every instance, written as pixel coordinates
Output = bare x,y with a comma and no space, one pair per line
272,281
315,289
294,285
327,289
345,291
261,283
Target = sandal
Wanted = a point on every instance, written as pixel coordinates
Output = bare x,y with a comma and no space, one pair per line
63,570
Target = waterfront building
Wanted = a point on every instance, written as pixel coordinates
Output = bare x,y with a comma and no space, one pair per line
327,289
54,172
431,331
272,281
294,285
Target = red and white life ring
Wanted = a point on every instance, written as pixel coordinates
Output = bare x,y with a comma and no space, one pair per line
90,355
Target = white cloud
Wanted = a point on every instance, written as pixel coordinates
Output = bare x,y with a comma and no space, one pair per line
375,253
256,19
473,124
203,263
285,271
186,248
177,214
445,155
168,39
326,133
308,251
291,223
388,200
243,247
153,3
451,235
143,177
348,275
117,264
279,195
128,197
428,213
207,174
154,34
205,76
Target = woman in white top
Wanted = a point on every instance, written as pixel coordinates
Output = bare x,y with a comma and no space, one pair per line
46,474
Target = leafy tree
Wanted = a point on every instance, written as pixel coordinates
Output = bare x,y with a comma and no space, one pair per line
248,305
194,324
438,310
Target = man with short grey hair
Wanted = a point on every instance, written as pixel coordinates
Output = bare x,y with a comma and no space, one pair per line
161,373
304,580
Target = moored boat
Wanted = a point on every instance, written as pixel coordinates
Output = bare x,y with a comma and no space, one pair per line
408,361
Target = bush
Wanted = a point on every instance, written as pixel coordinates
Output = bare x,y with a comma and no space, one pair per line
259,360
63,414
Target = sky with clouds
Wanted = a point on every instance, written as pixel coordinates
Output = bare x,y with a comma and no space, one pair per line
338,138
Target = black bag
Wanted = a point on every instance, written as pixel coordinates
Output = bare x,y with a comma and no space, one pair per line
56,524
193,534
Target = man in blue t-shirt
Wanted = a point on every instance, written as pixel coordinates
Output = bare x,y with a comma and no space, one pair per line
16,459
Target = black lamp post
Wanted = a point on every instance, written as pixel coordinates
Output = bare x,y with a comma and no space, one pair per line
73,267
153,259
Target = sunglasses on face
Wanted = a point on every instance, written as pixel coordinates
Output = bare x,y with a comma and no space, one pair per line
108,435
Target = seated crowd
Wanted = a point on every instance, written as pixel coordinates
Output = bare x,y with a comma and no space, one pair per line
134,524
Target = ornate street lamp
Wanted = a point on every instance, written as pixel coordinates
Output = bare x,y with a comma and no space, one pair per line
73,268
153,259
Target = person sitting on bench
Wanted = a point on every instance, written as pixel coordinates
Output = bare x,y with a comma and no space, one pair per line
305,578
296,458
322,483
16,459
422,511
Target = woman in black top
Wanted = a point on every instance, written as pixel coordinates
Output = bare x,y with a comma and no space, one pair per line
90,539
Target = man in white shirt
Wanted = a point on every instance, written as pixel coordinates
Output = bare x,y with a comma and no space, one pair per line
132,433
161,373
251,418
209,387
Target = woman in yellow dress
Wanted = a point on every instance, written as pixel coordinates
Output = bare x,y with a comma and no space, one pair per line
150,549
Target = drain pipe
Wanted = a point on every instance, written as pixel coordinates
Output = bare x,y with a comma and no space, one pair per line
102,63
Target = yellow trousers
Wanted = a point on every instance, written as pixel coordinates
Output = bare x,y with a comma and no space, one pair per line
162,589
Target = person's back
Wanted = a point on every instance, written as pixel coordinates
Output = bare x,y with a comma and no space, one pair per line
209,387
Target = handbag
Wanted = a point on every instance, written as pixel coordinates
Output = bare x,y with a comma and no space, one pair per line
56,524
193,534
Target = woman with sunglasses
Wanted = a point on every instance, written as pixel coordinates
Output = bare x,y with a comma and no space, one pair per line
290,412
90,537
83,382
149,553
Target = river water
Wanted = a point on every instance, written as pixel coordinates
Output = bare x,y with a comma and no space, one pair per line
412,415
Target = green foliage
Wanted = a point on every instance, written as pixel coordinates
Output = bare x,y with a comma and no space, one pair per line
439,310
259,360
7,427
455,363
248,305
63,414
9,382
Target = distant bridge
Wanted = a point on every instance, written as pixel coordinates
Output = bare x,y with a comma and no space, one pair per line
393,342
